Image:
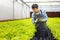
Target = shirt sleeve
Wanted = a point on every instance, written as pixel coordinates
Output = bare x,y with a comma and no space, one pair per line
33,18
45,15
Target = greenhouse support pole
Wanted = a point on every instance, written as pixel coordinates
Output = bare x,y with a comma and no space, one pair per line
13,9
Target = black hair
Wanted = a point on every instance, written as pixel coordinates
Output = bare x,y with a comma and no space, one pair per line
34,6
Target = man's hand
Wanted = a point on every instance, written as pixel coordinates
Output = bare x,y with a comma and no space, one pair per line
42,19
36,20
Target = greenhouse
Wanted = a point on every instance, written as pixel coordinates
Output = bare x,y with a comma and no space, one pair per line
17,21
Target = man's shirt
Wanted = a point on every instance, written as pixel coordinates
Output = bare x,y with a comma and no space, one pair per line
42,14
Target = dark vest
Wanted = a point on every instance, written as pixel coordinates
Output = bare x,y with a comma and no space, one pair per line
39,16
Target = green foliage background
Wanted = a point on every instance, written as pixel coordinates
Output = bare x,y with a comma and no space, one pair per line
17,30
24,29
54,25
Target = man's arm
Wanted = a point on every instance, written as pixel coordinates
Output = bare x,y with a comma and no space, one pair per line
45,15
33,21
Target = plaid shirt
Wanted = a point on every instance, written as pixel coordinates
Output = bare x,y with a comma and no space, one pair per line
42,13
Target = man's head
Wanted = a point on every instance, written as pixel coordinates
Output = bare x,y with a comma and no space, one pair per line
35,8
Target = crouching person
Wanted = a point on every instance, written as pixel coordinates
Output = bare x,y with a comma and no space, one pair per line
39,18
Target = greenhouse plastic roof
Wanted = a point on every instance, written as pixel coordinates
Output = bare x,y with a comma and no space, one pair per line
43,2
38,0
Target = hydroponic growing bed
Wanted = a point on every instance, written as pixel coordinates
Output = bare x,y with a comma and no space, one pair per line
24,29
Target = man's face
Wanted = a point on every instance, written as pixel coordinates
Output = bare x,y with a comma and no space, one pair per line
36,10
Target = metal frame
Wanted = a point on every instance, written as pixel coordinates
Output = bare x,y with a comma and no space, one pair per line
18,2
24,2
43,2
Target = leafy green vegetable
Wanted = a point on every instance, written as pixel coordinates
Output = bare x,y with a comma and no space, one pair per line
54,25
17,30
24,29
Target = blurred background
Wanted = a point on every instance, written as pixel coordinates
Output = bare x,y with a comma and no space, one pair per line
17,9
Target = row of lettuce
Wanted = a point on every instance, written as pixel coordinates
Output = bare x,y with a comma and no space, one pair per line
24,29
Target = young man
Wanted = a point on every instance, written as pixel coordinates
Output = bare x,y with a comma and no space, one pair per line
39,18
